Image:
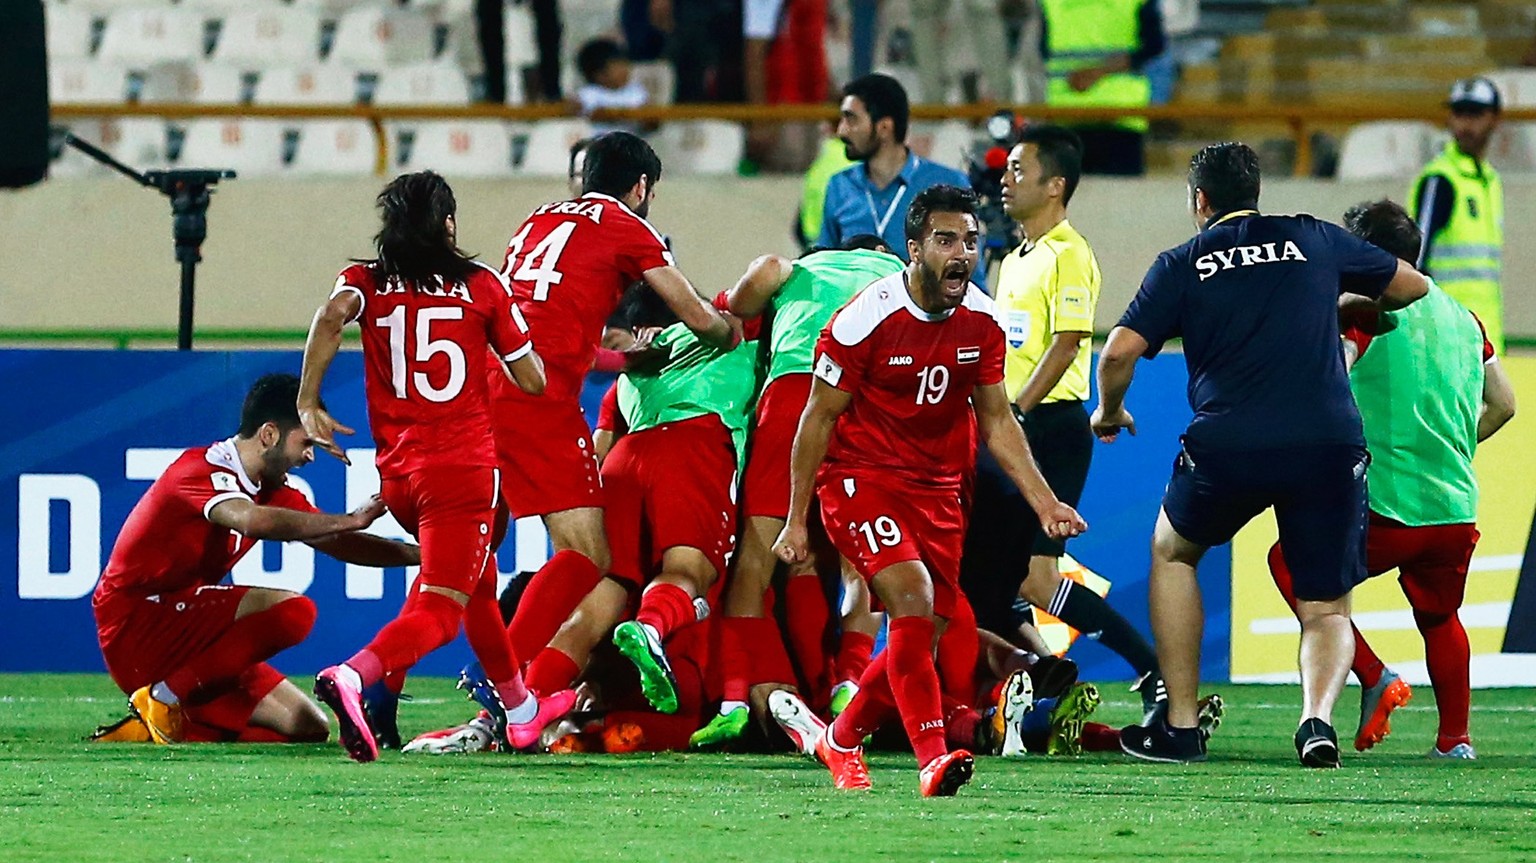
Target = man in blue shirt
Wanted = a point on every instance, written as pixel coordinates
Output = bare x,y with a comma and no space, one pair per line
872,196
1256,300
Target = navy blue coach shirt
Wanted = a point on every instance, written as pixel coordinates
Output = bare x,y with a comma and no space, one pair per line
1255,298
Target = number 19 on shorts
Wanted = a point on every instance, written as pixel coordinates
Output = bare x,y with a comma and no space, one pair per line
882,530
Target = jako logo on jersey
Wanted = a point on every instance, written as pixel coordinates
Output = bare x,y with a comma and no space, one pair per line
591,209
1245,256
931,724
967,355
899,361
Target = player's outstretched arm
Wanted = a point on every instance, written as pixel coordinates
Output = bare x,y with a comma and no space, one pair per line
1117,365
319,350
1407,285
1003,436
365,549
826,404
251,519
756,287
1498,400
707,323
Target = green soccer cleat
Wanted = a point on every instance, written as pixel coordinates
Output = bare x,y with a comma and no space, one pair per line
722,729
642,648
842,696
1067,719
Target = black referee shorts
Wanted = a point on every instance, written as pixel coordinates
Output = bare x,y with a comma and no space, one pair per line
1004,532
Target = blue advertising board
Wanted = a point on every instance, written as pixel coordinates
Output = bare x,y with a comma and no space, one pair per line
87,431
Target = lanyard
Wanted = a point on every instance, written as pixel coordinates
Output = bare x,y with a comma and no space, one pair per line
882,221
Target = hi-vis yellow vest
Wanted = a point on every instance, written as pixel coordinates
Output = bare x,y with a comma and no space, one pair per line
1466,257
1083,33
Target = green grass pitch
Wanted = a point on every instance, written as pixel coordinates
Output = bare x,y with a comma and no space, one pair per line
64,800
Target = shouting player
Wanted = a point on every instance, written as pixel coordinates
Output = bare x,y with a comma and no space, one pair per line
431,318
897,371
569,264
193,651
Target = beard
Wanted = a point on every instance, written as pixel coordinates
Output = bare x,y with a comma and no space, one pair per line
857,153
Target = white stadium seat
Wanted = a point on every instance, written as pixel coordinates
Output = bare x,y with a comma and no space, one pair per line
68,31
376,38
546,146
74,82
324,84
104,7
251,147
214,8
136,141
198,83
144,36
1517,87
1387,149
468,148
422,84
1513,148
274,37
947,143
335,147
712,147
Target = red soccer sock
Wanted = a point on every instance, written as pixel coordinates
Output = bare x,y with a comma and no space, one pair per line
249,640
960,723
1098,737
488,635
959,647
871,708
432,622
806,627
552,594
1367,666
915,683
666,608
853,652
550,672
1448,656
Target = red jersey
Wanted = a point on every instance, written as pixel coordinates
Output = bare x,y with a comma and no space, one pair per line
569,264
427,356
168,543
911,375
609,418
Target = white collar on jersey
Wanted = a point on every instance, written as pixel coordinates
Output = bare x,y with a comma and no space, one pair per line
916,310
224,454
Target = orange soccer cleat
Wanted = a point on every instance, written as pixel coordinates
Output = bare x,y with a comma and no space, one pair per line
944,775
1376,706
129,729
162,720
849,772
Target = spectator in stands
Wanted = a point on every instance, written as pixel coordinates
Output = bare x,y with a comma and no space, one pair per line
985,21
1094,54
784,62
609,84
1458,202
491,23
699,41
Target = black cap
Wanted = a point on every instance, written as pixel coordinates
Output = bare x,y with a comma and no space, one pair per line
1475,94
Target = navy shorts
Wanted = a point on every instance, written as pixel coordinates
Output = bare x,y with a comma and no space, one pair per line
1319,497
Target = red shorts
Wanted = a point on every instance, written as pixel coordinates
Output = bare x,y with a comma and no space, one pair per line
668,486
765,484
1431,561
452,512
876,526
548,462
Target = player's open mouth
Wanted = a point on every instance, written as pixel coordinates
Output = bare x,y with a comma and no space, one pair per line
954,280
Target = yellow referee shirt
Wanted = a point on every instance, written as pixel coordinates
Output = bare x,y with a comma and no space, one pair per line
1048,288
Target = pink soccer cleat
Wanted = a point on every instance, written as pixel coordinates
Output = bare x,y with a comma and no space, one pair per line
345,699
551,708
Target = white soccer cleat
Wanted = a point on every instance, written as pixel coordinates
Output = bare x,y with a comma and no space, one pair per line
1015,700
476,735
797,720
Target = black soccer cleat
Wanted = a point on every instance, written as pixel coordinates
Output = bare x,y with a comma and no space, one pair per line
1052,676
1161,743
382,707
1317,745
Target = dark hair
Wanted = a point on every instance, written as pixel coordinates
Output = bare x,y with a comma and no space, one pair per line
615,163
414,241
883,96
937,199
867,242
272,399
1228,174
576,148
595,56
1060,151
642,307
1386,225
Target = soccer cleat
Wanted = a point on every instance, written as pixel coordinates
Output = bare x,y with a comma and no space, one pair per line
1015,700
722,729
1459,752
551,708
162,720
1052,676
382,708
129,729
803,727
1161,743
842,696
944,775
1211,710
479,689
849,772
639,646
1067,719
1376,706
345,699
1154,696
1317,745
476,735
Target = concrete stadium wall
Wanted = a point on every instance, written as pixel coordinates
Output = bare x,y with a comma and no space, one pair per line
96,253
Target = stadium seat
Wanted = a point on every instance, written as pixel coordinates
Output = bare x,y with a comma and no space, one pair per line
468,148
376,38
1513,148
712,147
335,147
422,84
947,142
73,82
324,84
137,141
1386,149
269,37
143,36
251,147
224,7
68,32
1516,86
544,148
198,83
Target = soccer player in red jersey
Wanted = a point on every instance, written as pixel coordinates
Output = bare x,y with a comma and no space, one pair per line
897,371
431,319
191,651
569,264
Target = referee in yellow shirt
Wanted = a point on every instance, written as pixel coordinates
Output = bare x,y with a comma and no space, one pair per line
1046,293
